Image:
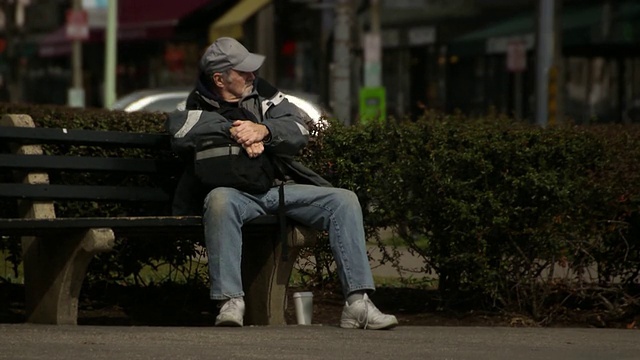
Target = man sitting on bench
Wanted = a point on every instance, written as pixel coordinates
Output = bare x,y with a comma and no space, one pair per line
265,125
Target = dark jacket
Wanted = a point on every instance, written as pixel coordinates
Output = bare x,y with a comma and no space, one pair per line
285,121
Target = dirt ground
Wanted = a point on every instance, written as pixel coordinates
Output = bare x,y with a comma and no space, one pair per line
179,305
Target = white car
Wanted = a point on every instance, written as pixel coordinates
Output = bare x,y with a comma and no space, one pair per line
168,99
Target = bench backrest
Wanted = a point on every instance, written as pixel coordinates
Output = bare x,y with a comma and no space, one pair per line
89,165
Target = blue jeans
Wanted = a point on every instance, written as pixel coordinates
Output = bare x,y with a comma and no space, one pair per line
335,210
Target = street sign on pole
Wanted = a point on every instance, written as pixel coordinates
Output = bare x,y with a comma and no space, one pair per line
372,60
95,4
516,56
77,25
97,12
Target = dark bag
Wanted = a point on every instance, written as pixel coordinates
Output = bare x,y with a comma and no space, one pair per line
221,162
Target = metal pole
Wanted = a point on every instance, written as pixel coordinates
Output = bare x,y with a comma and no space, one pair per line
111,54
557,83
517,87
373,65
377,32
75,97
265,19
342,62
375,16
13,80
544,61
77,53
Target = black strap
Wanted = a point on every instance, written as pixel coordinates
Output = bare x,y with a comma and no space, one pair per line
283,224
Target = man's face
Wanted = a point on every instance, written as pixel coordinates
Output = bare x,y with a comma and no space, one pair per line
236,84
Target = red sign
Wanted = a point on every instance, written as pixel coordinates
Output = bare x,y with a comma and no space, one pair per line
77,25
516,56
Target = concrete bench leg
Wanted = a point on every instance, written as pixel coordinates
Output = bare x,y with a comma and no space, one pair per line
266,276
54,270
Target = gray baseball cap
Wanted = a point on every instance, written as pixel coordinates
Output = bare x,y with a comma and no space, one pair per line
227,53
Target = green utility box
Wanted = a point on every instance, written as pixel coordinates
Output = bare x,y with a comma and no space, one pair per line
373,104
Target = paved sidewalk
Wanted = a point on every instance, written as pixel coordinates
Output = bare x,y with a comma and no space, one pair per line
25,341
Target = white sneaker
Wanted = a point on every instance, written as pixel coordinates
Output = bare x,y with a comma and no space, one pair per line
231,313
362,314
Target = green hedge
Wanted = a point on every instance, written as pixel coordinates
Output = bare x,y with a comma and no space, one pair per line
492,205
507,215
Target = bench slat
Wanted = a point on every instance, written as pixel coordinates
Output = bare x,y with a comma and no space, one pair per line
26,135
80,163
167,225
83,192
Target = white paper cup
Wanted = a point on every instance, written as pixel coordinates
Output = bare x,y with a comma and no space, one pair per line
304,307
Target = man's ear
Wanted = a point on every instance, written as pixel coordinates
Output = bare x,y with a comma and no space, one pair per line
218,81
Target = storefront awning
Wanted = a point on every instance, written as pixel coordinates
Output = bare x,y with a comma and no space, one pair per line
230,24
137,20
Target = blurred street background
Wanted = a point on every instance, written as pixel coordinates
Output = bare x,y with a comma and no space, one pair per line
543,61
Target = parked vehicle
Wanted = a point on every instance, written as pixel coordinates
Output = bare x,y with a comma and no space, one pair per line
152,100
168,99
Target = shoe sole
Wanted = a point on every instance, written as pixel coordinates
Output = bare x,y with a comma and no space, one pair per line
228,323
351,324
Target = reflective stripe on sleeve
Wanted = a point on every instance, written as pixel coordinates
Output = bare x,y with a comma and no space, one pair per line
302,129
192,118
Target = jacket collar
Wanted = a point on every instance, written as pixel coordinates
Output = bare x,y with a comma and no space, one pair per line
206,95
268,94
203,89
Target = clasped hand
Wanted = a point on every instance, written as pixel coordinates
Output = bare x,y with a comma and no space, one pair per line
250,136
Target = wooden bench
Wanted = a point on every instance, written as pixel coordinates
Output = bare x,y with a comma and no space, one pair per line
57,249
